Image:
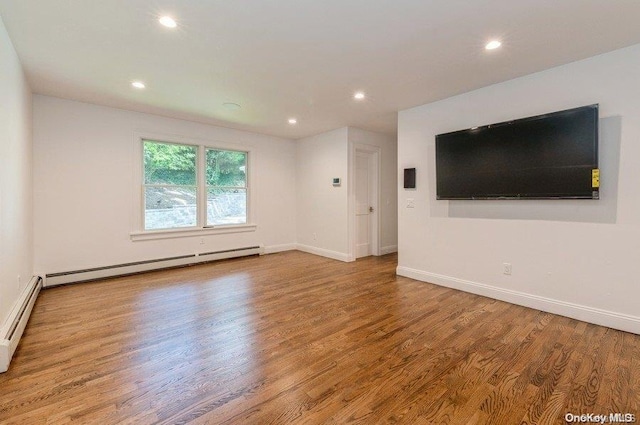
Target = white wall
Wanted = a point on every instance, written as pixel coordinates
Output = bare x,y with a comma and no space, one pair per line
16,240
577,259
85,189
322,210
388,183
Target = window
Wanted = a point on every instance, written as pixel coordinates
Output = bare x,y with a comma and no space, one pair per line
170,185
226,187
183,191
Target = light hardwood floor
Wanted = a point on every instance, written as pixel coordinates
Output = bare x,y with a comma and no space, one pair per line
296,338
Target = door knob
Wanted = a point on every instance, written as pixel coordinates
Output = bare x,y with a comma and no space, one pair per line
370,209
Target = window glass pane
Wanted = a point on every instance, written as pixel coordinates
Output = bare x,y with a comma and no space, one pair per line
168,207
166,163
226,206
226,168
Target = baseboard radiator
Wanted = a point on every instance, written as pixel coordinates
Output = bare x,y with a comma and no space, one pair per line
75,276
13,328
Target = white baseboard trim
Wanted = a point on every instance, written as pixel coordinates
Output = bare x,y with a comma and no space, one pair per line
324,252
593,315
142,266
11,331
272,249
388,249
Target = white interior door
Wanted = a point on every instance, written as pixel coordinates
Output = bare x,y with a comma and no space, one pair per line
363,205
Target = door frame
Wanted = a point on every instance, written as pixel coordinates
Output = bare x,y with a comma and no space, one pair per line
374,153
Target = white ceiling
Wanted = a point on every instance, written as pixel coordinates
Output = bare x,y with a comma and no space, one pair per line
300,58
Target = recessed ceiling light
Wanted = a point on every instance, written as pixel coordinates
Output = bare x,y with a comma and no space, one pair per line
168,22
230,106
293,121
359,95
493,44
138,84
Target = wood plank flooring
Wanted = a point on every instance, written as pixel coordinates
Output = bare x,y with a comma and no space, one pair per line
296,338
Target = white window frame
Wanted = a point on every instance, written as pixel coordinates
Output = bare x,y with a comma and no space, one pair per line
201,228
195,186
205,186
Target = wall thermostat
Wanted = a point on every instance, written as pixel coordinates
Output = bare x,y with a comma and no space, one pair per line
336,181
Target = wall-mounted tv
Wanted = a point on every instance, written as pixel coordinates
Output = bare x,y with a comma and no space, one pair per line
550,156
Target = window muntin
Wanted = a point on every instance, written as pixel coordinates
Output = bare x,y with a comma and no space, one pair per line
226,187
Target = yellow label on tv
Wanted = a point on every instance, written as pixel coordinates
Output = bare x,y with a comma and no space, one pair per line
595,178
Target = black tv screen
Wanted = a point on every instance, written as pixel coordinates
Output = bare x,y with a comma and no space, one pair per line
550,156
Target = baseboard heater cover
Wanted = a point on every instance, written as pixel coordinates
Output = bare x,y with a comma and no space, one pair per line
12,330
83,275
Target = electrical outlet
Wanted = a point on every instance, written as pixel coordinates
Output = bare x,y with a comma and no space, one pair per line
315,237
201,241
19,282
411,203
506,268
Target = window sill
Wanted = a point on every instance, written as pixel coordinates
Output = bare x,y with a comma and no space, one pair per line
191,232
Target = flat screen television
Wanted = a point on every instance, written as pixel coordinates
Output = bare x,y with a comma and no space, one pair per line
550,156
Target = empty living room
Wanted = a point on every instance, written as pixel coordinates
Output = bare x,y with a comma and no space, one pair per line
319,212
